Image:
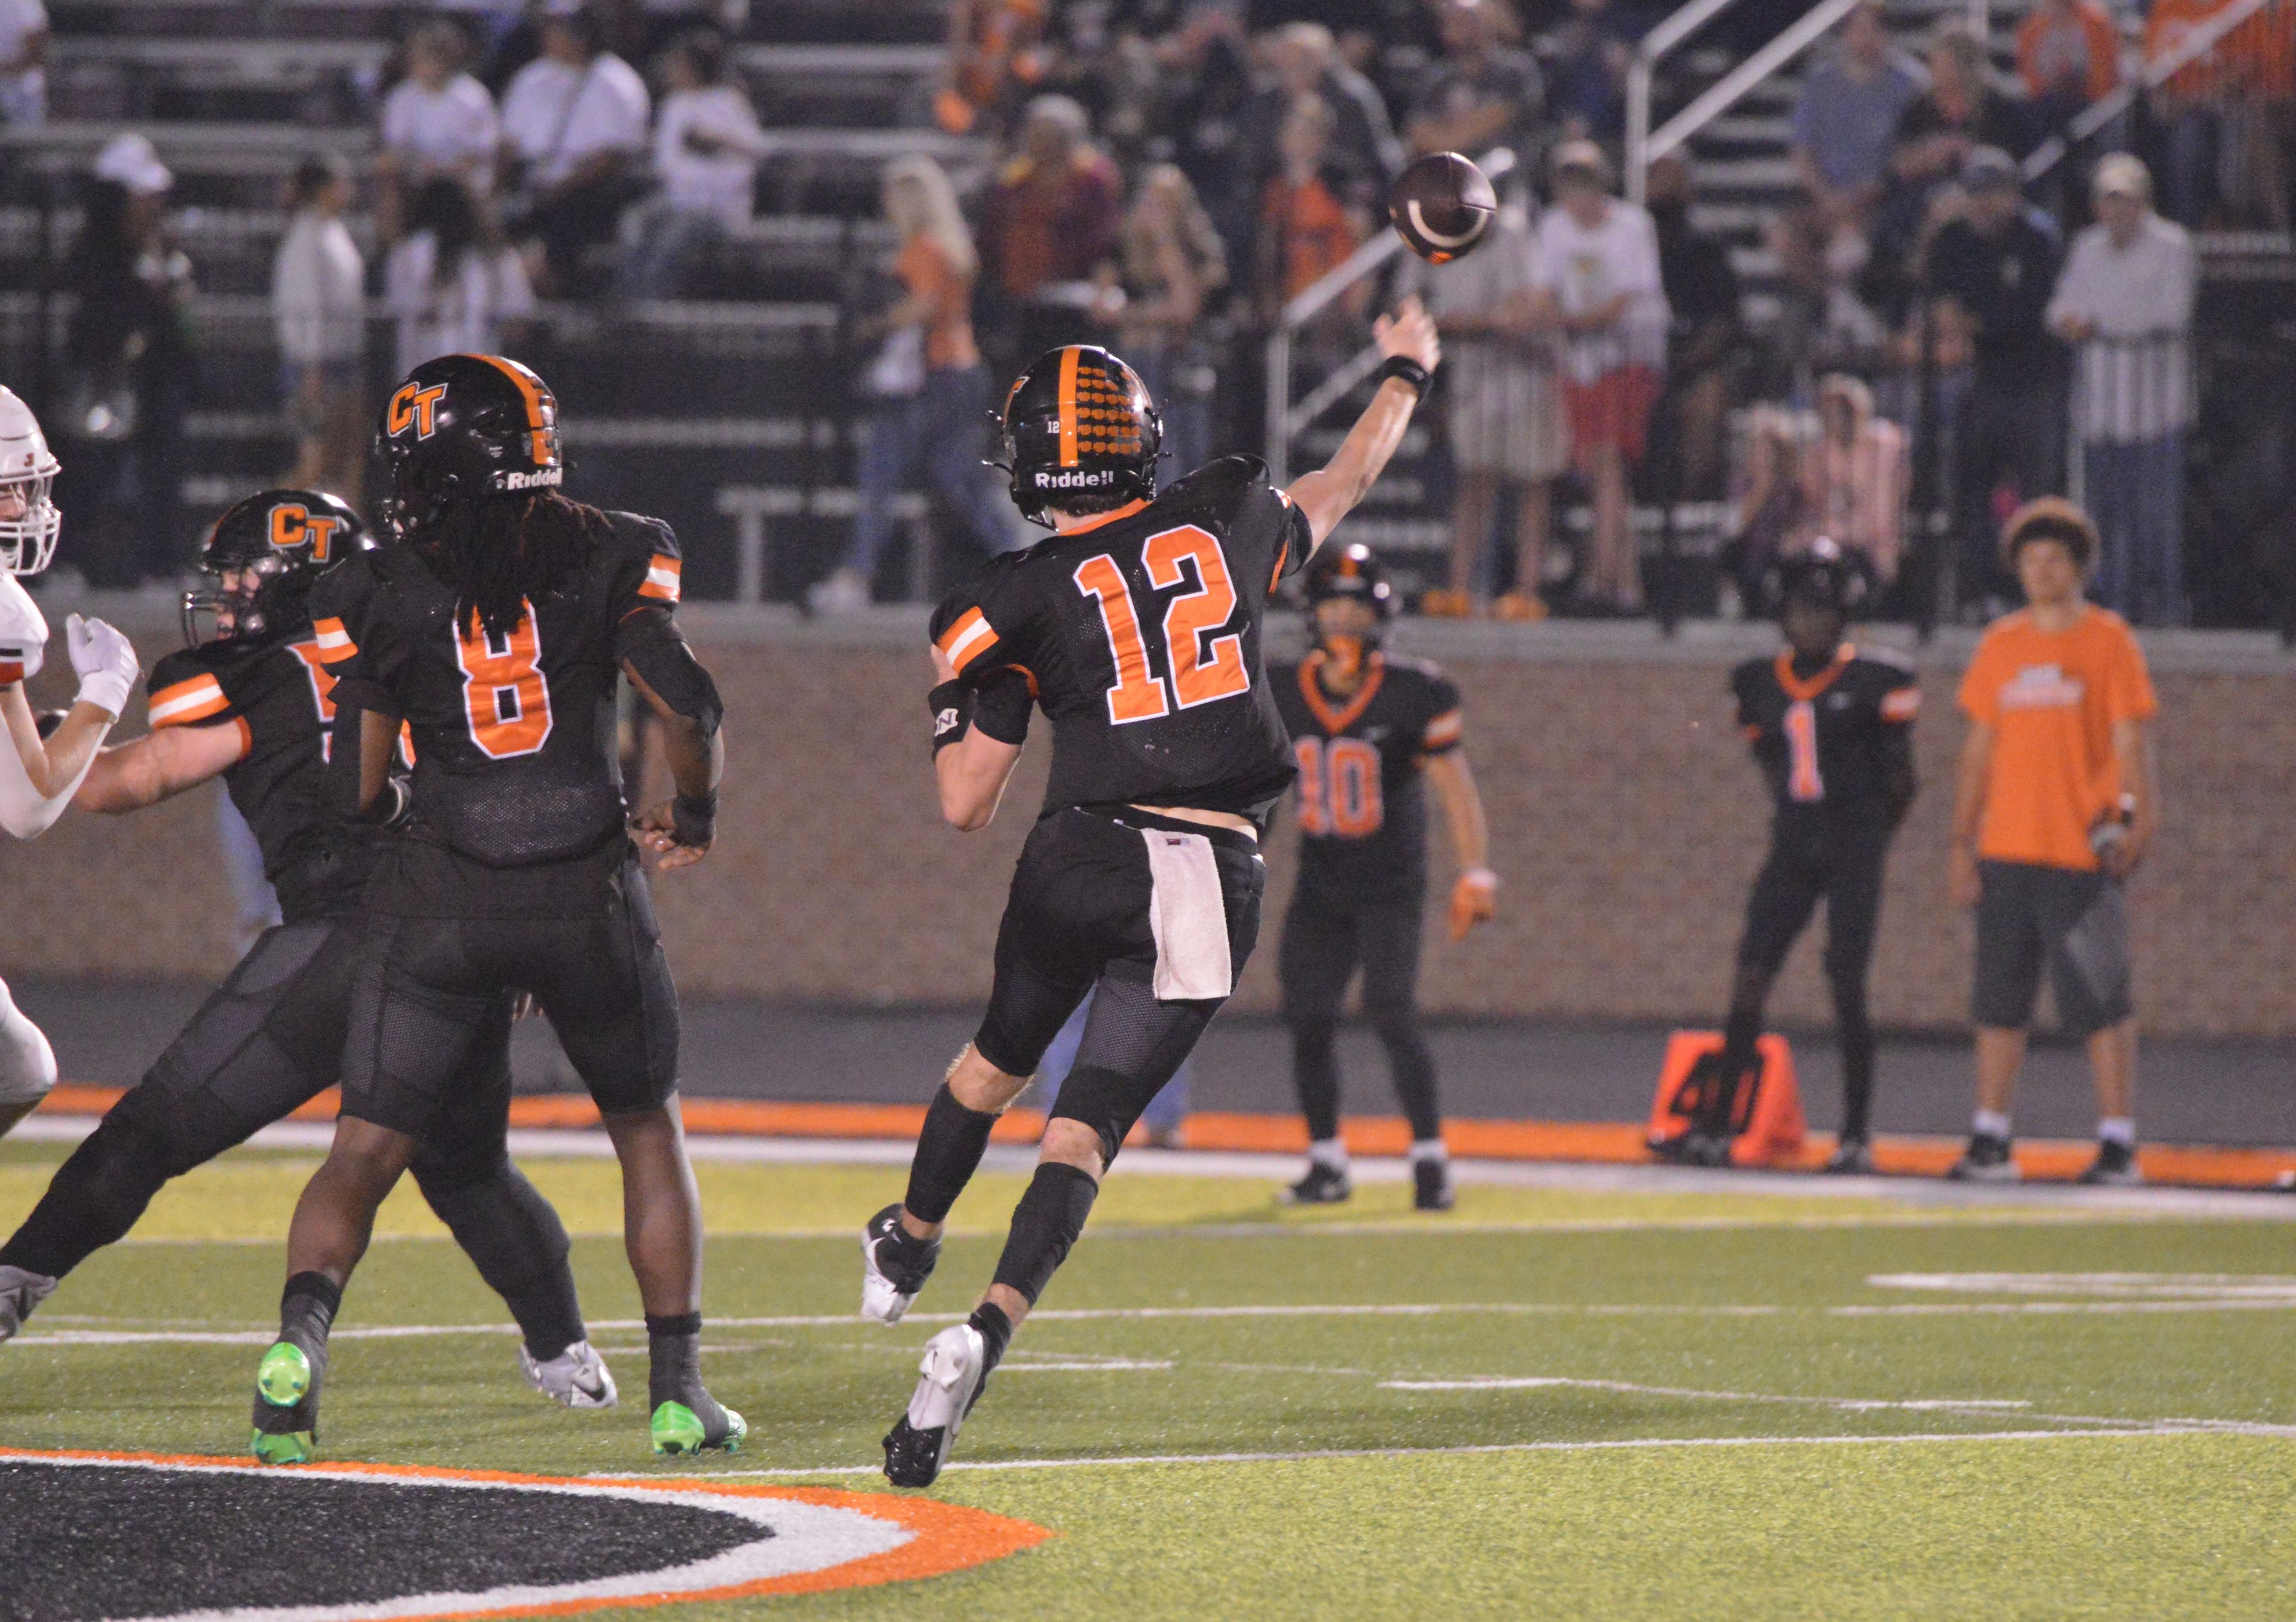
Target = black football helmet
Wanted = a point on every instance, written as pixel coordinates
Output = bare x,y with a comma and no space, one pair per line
1823,574
464,426
1078,422
274,544
1353,570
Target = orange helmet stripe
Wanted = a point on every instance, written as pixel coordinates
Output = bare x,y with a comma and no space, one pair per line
1069,357
537,442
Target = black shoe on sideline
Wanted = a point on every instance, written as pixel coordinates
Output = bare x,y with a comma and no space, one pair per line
1987,1159
1322,1185
2115,1166
1430,1186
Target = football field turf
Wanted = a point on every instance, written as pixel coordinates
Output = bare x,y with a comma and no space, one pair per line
1557,1401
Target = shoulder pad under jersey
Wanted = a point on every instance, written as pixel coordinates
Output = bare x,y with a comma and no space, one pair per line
23,633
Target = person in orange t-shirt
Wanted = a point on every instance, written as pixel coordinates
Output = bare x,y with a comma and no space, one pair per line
2054,810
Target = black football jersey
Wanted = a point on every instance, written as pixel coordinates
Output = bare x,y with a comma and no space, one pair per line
1362,795
1139,636
1835,742
278,696
513,737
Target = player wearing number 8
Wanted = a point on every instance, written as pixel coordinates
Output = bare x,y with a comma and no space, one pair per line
1136,626
1368,729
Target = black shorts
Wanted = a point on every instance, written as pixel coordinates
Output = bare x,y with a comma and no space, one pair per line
270,1039
1084,911
1841,865
427,985
2075,922
1328,934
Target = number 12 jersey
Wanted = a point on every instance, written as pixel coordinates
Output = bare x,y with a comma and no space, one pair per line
1139,636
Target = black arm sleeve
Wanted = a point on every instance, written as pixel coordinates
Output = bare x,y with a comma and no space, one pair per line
650,643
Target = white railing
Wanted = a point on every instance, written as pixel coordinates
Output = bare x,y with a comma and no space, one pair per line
2158,71
1287,422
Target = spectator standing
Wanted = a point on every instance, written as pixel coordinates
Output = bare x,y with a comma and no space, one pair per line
1845,125
454,289
1307,226
928,388
1595,280
2226,114
1589,55
1174,277
23,64
1963,109
2068,56
1484,92
1990,272
318,302
2054,808
436,121
1049,228
1504,414
1306,62
574,121
129,367
2125,301
1703,297
706,150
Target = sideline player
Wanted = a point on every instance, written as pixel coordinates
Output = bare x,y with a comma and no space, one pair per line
499,622
1136,626
252,705
1366,728
37,776
1831,725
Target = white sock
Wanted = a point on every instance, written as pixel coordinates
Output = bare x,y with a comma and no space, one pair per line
1430,1149
2119,1129
1328,1151
1990,1124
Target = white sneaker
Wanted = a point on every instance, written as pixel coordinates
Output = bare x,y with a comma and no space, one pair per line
948,1379
577,1378
20,1292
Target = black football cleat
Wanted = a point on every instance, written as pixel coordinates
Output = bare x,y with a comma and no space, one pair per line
895,1265
1430,1186
1322,1185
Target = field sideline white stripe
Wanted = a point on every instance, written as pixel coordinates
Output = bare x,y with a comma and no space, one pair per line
1619,1445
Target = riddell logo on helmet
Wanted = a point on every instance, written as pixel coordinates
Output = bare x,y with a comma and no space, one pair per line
536,480
1072,481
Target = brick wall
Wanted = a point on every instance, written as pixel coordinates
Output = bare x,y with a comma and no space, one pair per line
1626,824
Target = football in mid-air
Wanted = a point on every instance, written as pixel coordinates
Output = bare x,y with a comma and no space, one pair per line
1441,205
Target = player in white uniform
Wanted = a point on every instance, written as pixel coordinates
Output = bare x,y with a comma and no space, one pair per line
38,775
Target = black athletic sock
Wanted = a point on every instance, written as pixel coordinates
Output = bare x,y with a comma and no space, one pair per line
1047,1221
996,1333
673,1369
96,1195
1316,1074
307,1313
948,1152
1858,1045
512,1235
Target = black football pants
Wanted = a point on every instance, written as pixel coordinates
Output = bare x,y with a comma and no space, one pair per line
1326,938
269,1040
1841,864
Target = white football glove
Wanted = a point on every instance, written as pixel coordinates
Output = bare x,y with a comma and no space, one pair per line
106,663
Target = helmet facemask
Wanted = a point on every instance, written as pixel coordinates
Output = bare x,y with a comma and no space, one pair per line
247,601
29,523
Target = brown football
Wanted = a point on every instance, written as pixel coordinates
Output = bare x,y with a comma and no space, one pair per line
1441,205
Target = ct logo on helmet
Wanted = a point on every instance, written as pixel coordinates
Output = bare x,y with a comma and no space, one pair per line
415,408
293,525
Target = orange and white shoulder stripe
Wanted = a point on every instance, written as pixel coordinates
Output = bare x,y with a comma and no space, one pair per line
1901,704
661,579
185,701
968,639
333,640
1445,730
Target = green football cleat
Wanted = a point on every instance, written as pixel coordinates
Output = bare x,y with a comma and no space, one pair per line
283,1377
284,1447
677,1429
283,1432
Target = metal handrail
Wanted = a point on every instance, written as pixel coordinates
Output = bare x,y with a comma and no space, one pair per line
1285,421
2158,71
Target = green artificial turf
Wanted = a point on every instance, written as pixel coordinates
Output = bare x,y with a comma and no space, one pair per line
1711,1418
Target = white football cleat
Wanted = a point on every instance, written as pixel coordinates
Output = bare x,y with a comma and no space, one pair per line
20,1292
577,1378
949,1383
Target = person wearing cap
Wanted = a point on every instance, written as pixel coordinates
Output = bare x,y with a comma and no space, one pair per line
127,373
1596,281
1990,272
574,128
2053,807
2126,301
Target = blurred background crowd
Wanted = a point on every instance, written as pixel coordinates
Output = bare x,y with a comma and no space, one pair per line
1924,262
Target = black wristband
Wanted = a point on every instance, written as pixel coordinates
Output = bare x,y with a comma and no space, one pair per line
1403,369
694,819
951,704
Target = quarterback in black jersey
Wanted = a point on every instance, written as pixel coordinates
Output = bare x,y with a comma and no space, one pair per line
249,701
1136,627
1832,728
1369,730
496,626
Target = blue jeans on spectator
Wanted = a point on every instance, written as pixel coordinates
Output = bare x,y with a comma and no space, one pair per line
2137,490
2188,176
939,429
669,240
1163,1115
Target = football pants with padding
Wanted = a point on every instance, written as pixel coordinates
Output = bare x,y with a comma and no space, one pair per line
27,1065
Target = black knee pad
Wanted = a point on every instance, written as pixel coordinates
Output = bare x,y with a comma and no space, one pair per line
1045,1225
1106,1101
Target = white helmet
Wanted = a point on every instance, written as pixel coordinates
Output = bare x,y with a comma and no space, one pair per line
27,541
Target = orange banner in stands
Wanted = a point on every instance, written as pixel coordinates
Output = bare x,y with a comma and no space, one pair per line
1770,1129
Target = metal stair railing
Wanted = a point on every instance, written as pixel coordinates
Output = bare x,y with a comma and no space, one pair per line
2158,71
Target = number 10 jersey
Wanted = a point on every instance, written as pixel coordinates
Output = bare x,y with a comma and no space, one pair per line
1139,636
